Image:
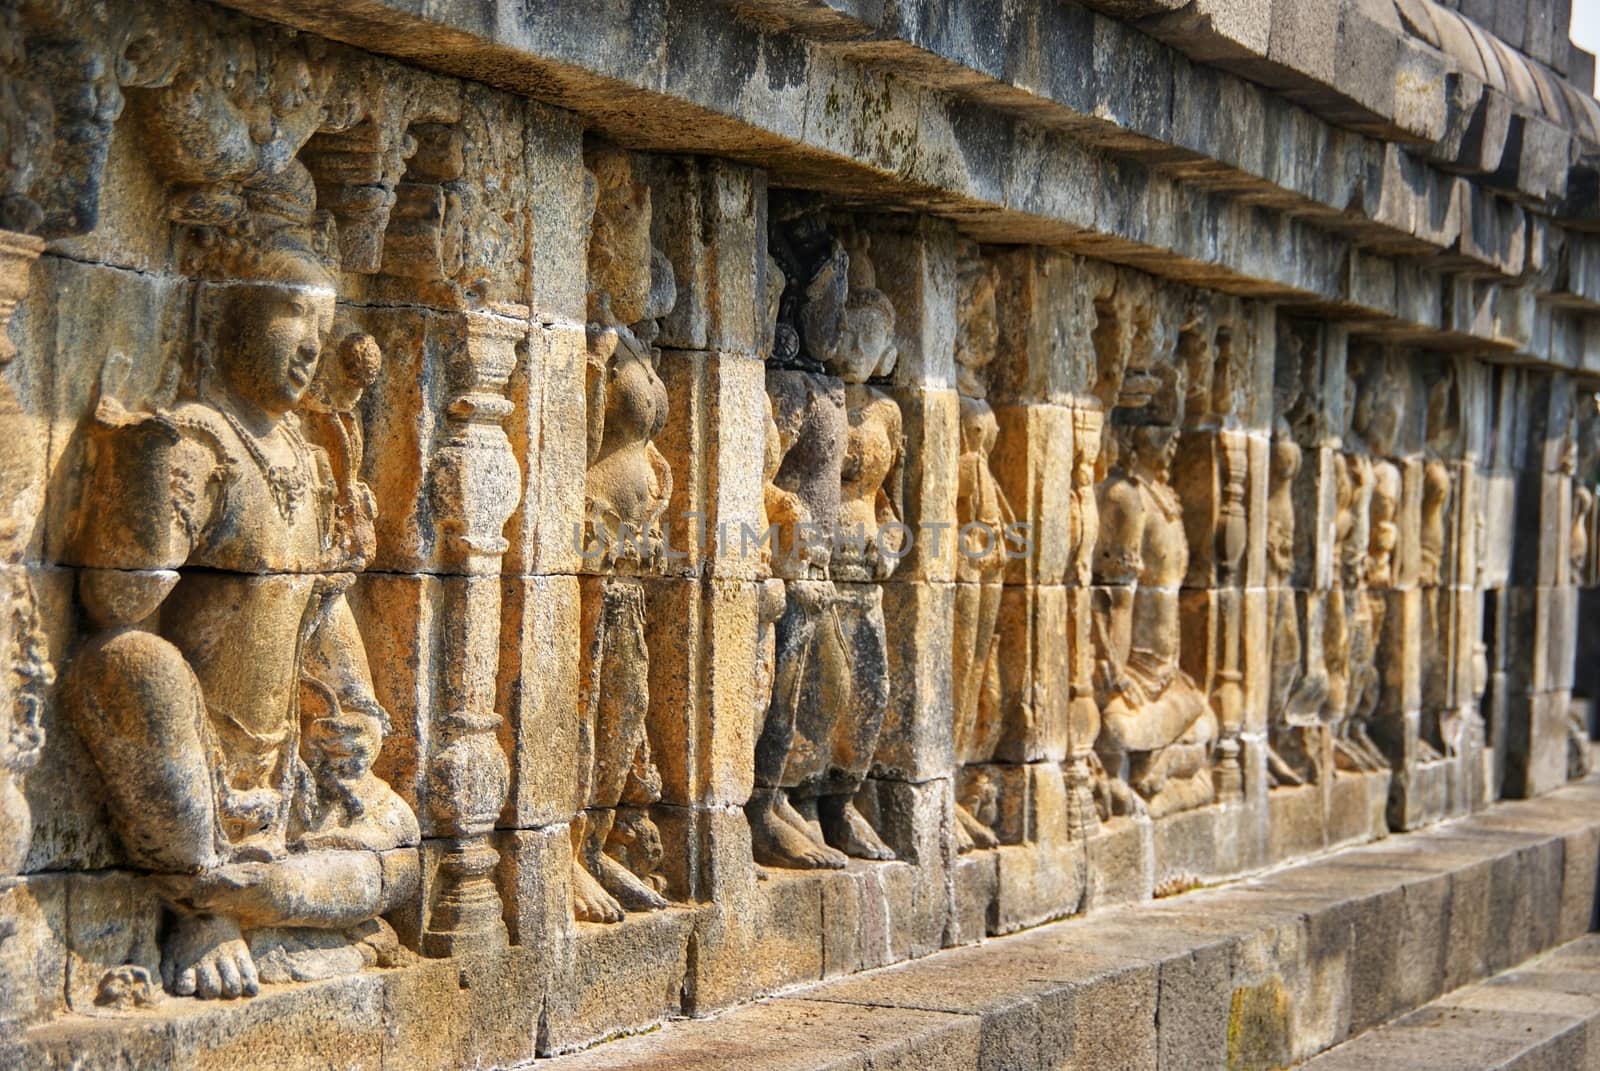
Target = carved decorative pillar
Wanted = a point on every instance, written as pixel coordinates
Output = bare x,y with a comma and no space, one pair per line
474,490
21,644
1083,712
1227,696
17,254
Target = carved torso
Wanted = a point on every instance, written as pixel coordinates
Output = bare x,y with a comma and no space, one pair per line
1143,545
979,499
1384,533
1280,510
250,504
810,411
629,482
872,447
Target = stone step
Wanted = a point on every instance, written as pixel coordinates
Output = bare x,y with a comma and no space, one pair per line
1260,973
1543,1014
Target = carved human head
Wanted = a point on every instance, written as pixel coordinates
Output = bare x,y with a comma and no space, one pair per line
866,349
1198,357
268,332
1110,337
1285,459
977,323
1444,415
815,268
620,260
1088,431
1148,418
979,429
1288,384
347,373
1380,401
1153,447
663,296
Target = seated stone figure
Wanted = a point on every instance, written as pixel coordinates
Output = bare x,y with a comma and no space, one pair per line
1150,710
226,698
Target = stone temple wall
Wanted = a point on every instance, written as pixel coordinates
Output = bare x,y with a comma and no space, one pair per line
437,436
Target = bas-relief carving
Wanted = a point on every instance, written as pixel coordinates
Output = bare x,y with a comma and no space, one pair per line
267,799
1368,486
1298,684
626,490
225,695
27,670
841,463
265,820
1215,351
980,565
1154,718
1442,720
1585,545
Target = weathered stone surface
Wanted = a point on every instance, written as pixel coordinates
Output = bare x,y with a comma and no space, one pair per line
513,539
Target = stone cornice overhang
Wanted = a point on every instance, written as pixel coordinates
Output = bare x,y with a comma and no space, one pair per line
1043,123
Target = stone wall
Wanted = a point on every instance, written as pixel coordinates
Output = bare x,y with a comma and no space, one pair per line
525,524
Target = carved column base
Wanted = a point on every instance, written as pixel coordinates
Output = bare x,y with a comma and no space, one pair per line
465,915
1083,817
1227,774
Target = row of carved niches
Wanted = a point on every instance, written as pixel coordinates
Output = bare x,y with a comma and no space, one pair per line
1374,528
355,437
293,286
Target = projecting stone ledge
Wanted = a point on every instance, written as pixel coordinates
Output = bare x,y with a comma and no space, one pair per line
1261,973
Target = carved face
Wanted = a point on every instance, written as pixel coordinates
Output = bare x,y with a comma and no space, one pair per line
867,348
1379,402
1285,460
978,334
979,429
1110,340
276,335
341,381
1154,447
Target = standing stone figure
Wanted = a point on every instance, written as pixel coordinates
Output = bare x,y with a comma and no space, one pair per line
1365,558
226,698
1151,712
982,514
778,507
1442,724
840,478
626,490
1298,681
854,671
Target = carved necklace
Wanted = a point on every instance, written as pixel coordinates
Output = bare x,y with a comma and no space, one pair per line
287,483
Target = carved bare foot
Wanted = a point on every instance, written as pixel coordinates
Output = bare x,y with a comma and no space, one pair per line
804,818
964,841
801,815
848,831
783,839
591,903
628,889
1347,757
971,833
1375,756
1280,771
205,956
1113,796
